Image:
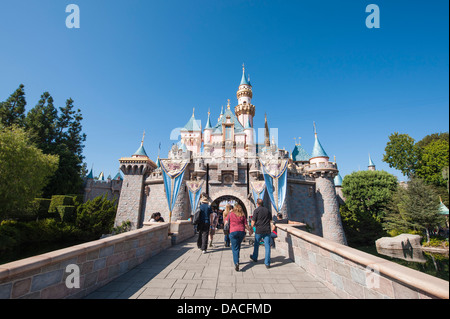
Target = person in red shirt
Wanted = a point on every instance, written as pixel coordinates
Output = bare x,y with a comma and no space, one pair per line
238,225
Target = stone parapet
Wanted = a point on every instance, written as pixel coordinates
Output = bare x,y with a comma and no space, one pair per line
44,276
351,273
321,169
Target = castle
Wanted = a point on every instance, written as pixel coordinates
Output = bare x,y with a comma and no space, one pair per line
226,163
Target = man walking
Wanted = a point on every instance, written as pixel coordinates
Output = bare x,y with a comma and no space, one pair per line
261,221
204,224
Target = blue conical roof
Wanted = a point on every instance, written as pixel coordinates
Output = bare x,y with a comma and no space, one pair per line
208,122
90,175
370,161
244,79
140,151
192,125
318,150
299,154
118,176
338,180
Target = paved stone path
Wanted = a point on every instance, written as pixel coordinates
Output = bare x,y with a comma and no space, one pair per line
184,272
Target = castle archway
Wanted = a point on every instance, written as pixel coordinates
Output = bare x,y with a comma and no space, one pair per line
221,201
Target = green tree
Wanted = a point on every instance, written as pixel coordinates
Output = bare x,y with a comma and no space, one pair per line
401,153
414,207
69,146
432,137
59,134
434,158
96,216
12,111
41,124
367,195
24,171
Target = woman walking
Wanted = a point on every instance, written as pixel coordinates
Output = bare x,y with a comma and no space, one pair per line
238,225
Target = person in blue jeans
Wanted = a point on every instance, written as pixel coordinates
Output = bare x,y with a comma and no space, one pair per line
238,225
261,221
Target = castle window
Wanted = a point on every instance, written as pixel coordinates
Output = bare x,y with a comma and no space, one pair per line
228,134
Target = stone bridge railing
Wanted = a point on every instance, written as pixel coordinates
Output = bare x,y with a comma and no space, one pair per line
95,263
351,273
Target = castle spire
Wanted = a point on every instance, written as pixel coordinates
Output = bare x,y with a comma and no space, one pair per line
318,151
371,166
244,80
266,133
141,151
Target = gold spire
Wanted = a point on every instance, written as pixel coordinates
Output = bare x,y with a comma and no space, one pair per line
143,136
315,132
193,111
228,105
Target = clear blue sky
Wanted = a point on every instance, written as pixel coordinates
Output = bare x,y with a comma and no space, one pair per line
143,65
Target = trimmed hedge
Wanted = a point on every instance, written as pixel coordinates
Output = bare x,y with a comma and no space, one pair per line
41,207
60,200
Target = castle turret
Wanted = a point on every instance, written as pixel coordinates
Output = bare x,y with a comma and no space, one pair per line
371,166
324,172
191,135
135,169
245,110
207,133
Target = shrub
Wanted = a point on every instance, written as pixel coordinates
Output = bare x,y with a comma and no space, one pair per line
96,216
67,213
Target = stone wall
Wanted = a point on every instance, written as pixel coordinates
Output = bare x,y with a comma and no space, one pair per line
302,204
130,202
44,276
351,273
110,188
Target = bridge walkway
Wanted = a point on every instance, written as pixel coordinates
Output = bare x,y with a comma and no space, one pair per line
184,272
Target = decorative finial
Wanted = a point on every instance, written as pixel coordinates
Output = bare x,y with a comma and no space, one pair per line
335,158
143,136
243,67
315,132
209,111
299,141
193,111
228,105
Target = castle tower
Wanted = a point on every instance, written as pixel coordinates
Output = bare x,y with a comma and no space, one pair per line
191,135
135,169
250,137
208,130
371,166
245,110
324,171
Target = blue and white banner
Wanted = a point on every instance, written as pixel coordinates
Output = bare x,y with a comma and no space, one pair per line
195,190
258,189
275,176
173,172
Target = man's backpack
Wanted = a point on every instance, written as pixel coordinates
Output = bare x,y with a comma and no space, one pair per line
196,217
